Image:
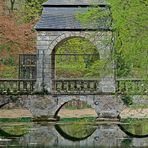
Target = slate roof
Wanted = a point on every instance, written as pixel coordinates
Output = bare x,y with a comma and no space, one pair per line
64,18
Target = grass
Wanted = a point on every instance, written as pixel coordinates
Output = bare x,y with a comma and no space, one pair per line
80,120
23,119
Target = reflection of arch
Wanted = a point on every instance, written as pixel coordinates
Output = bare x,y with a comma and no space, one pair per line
5,133
72,138
131,134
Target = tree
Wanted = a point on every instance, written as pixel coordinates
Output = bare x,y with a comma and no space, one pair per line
129,24
12,2
32,9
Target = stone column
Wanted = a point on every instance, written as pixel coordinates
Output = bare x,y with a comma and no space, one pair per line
43,62
105,47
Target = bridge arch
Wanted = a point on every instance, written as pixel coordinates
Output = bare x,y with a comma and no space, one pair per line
62,102
93,37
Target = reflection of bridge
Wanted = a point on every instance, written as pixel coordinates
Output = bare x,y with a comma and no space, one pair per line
101,135
37,73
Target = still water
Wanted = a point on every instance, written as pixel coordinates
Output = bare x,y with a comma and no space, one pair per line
74,134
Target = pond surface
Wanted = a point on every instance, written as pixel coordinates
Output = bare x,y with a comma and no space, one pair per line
78,133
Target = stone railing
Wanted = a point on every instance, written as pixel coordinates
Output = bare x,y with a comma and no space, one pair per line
17,86
132,86
66,86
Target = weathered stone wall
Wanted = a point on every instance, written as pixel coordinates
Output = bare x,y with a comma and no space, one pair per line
137,99
47,41
106,106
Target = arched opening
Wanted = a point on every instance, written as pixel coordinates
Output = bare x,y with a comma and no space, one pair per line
76,109
135,127
76,66
13,131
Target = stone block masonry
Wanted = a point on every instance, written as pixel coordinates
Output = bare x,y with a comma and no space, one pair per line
47,106
48,41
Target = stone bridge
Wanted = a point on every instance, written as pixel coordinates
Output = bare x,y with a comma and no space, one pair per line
57,25
46,107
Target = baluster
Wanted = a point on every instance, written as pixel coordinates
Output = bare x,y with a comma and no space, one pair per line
5,89
15,86
78,86
71,86
58,86
11,86
85,86
91,86
65,83
30,86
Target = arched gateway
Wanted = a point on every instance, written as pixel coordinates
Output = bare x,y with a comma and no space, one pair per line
57,24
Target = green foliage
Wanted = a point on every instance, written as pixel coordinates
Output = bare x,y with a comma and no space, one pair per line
23,119
127,100
129,22
126,142
5,47
9,72
82,63
32,9
90,18
8,61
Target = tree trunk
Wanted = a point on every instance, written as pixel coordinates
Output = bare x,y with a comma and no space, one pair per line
12,4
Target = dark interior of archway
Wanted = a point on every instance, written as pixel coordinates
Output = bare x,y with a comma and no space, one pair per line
77,58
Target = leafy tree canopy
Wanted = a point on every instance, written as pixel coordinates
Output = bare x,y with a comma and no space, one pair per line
32,9
129,24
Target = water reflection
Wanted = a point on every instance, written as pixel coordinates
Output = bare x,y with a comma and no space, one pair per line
72,135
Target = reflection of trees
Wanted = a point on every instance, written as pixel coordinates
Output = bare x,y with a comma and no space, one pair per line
138,129
135,128
75,132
